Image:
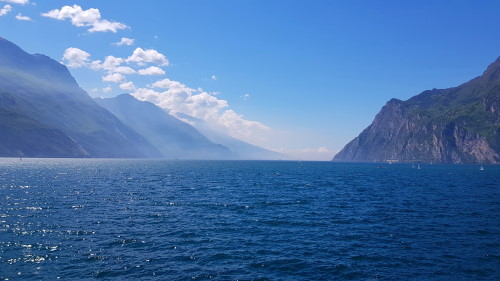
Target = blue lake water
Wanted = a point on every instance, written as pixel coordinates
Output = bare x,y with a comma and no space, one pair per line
247,220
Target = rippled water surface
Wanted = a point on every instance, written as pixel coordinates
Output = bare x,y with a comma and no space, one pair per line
247,220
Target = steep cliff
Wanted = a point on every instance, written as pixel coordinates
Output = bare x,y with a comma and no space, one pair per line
455,125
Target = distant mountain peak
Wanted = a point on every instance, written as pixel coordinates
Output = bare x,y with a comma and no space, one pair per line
39,67
172,137
493,70
127,97
44,113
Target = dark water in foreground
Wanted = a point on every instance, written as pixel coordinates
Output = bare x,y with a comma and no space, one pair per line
229,220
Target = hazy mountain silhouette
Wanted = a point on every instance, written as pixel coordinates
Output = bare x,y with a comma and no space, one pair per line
172,137
241,149
45,113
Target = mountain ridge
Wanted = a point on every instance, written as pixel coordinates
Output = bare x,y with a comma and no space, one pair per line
241,149
40,89
174,138
454,125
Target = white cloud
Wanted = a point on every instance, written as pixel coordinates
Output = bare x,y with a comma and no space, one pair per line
105,26
114,77
179,98
238,126
323,149
245,96
124,70
111,62
23,18
129,86
125,41
88,18
152,70
5,10
75,57
174,86
107,89
22,2
141,57
213,77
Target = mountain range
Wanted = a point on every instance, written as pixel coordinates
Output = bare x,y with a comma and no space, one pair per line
44,113
172,137
454,125
241,149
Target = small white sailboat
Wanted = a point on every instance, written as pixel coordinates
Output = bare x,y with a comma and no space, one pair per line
418,166
481,168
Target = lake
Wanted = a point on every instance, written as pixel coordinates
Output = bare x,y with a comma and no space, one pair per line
87,219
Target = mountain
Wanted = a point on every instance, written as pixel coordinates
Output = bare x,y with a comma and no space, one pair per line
44,113
172,137
242,150
455,125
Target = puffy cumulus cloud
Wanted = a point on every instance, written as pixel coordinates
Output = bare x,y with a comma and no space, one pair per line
114,77
129,86
152,70
22,2
141,57
111,62
213,77
179,98
20,17
174,86
88,18
125,41
5,10
238,126
76,58
206,106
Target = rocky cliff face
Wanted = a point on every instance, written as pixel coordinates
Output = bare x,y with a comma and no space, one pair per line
455,125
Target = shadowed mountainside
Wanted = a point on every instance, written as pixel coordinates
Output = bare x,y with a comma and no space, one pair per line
45,113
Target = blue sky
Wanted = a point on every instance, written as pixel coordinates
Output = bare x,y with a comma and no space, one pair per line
302,77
